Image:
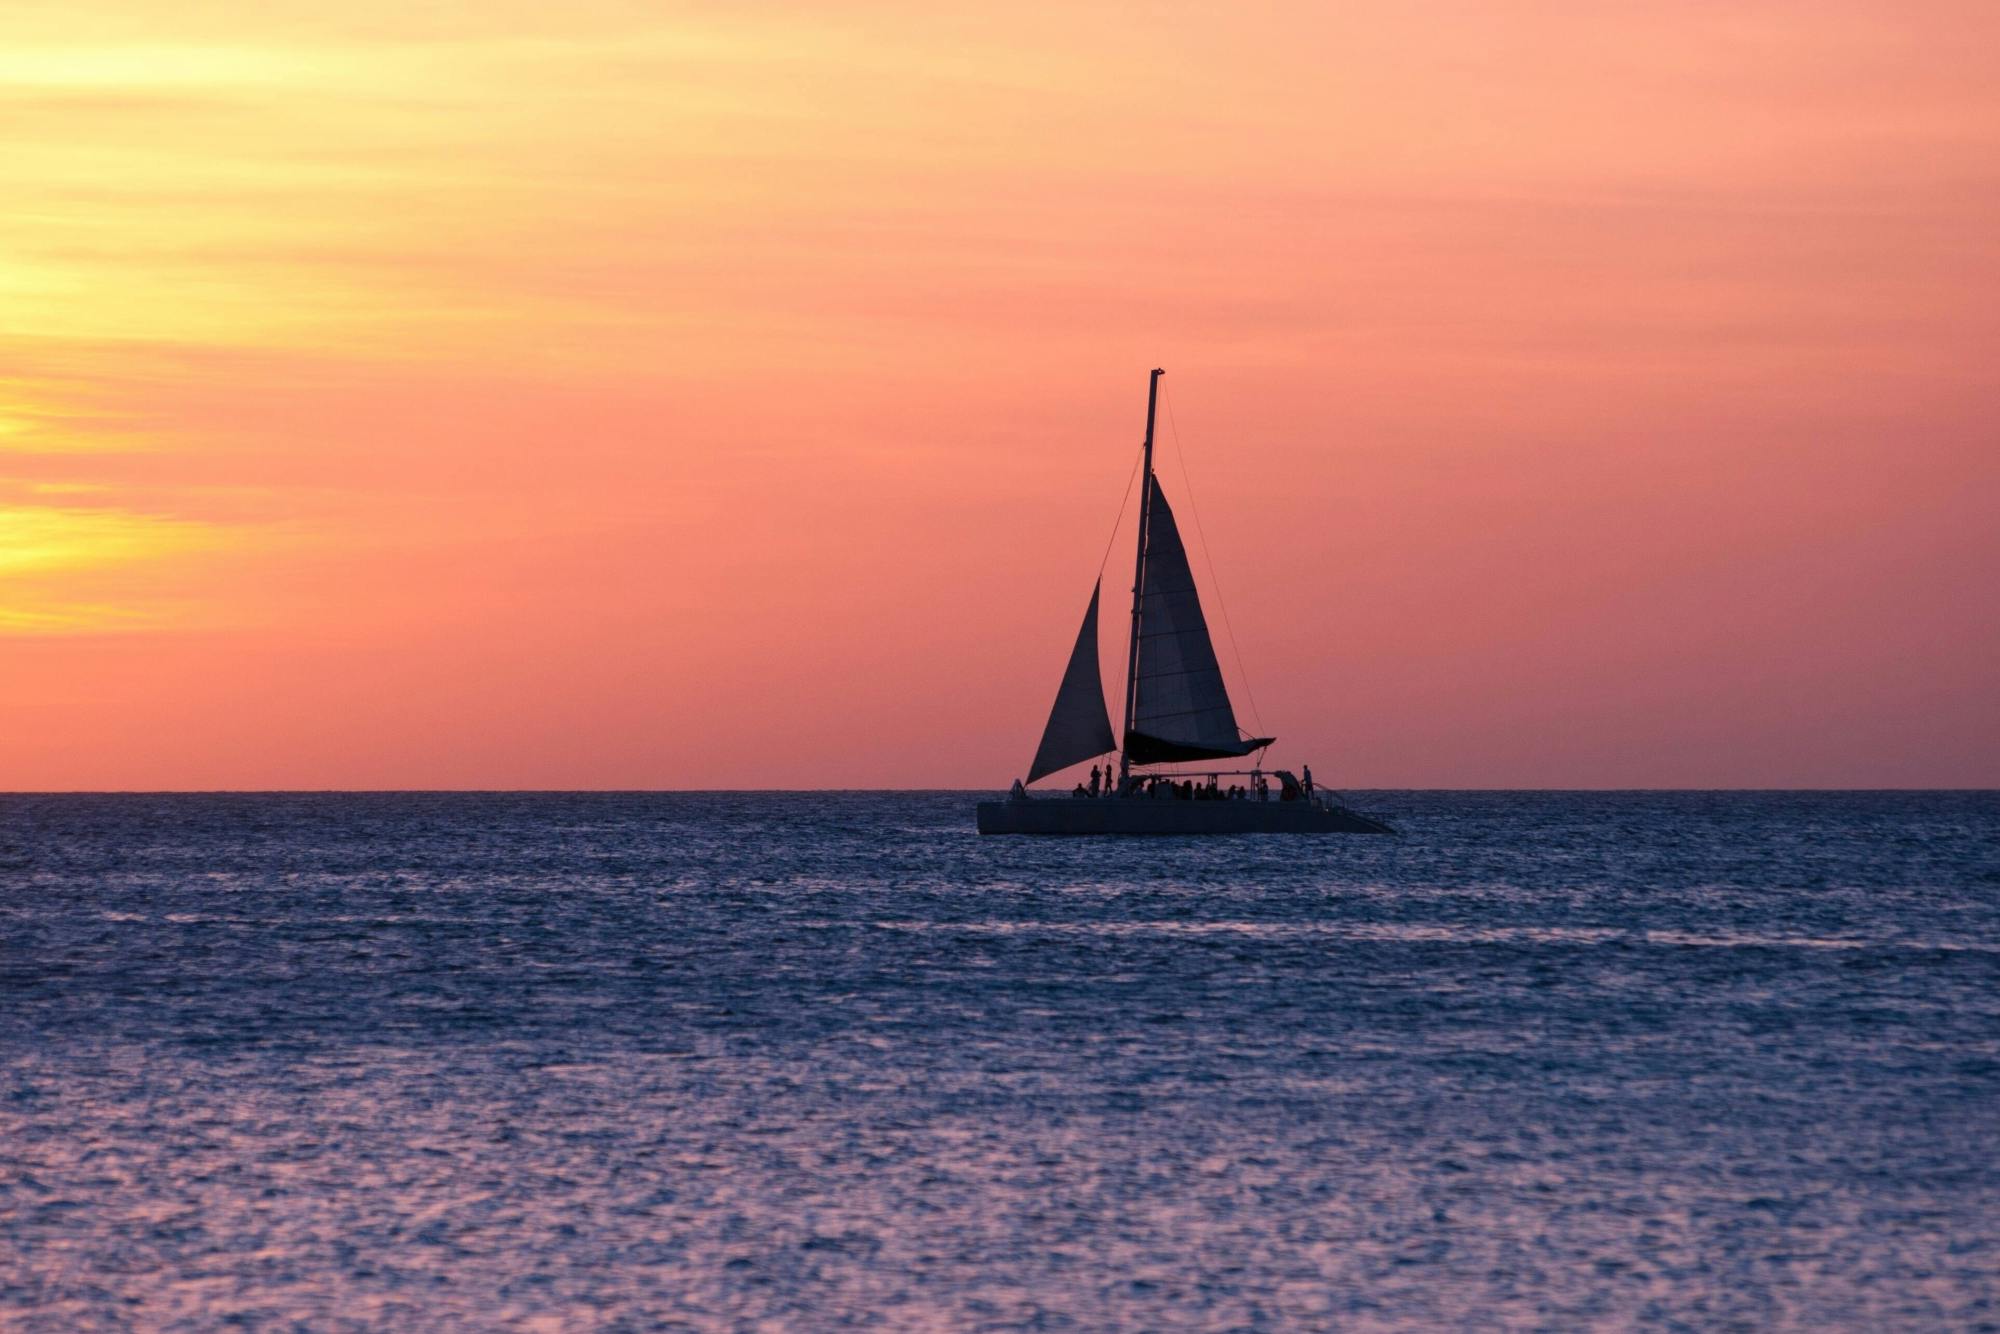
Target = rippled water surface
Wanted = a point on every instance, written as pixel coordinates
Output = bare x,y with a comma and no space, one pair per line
436,1061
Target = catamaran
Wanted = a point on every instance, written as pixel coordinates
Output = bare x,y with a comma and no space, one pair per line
1177,710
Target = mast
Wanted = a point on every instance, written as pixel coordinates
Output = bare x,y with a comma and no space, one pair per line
1139,577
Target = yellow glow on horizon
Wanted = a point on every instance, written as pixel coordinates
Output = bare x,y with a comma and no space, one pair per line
38,539
57,562
80,618
137,67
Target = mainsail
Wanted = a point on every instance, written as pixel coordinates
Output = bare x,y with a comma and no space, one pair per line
1180,708
1079,724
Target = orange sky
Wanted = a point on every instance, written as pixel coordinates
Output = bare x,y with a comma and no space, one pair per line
610,395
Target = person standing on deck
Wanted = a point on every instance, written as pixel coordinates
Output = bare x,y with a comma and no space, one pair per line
1093,780
1308,779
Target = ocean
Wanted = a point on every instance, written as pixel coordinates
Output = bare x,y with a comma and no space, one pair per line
815,1060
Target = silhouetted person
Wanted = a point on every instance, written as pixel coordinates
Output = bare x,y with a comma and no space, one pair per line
1307,778
1094,779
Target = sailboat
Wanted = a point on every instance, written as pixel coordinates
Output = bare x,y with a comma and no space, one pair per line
1177,710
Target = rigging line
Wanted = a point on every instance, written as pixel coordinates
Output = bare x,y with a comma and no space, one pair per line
1208,558
1123,501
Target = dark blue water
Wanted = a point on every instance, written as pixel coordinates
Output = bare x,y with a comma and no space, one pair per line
422,1061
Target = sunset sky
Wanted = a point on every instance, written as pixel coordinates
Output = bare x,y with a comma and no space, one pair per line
624,395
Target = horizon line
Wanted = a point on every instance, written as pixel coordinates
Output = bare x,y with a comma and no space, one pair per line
812,791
